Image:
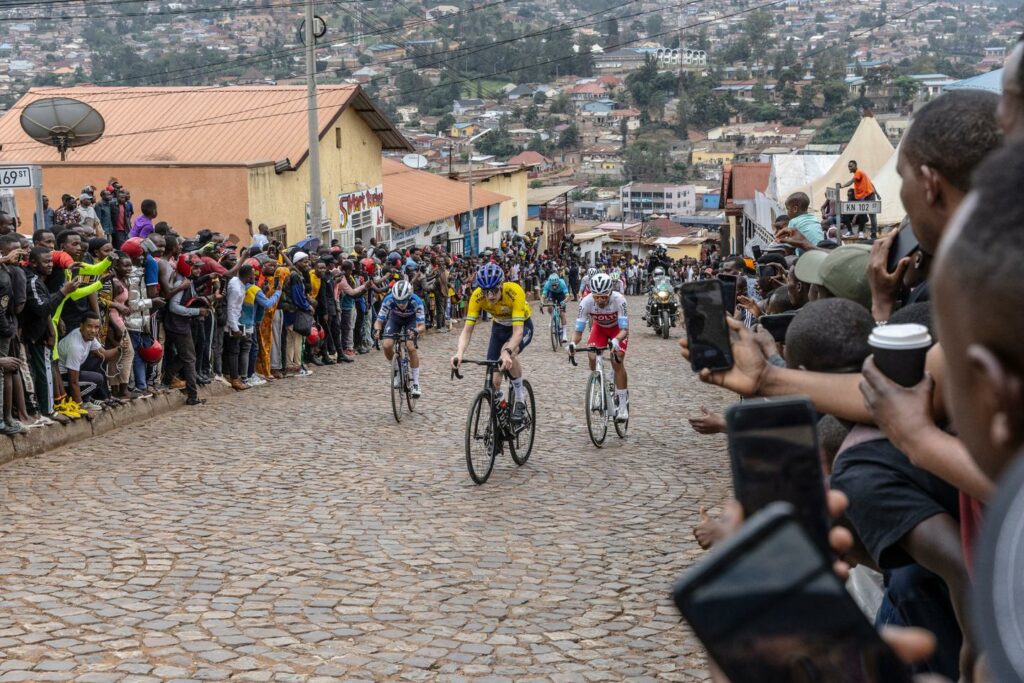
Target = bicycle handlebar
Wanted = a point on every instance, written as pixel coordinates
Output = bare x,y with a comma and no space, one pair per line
594,349
487,363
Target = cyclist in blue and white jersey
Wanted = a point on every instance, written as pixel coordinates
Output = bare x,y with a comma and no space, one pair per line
557,291
402,310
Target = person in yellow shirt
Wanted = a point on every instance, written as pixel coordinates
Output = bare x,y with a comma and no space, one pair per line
511,332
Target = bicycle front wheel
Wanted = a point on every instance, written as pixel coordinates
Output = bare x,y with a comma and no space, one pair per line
521,444
407,390
597,421
481,438
555,341
397,381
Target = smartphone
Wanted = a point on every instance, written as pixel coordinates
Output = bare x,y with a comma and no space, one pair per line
756,251
904,245
777,325
774,453
769,609
729,292
706,330
765,271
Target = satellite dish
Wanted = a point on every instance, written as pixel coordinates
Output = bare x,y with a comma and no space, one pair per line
62,122
416,161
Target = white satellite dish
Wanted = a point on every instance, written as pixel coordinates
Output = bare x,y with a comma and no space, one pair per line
416,161
62,122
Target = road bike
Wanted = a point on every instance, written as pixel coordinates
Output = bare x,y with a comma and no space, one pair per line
401,374
602,402
555,324
489,425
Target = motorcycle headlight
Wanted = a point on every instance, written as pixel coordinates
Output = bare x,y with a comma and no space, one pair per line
663,296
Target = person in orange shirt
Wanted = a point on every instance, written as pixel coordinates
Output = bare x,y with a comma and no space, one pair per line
863,191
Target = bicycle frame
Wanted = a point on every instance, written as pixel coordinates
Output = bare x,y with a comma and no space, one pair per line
607,383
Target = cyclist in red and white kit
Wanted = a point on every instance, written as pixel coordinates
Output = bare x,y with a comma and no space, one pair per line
605,310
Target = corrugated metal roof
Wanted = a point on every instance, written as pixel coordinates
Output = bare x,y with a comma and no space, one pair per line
231,125
537,196
414,197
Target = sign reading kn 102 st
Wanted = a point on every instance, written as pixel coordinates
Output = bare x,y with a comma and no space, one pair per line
848,208
14,177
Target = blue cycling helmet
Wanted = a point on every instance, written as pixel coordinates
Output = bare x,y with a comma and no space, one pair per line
553,277
489,276
394,256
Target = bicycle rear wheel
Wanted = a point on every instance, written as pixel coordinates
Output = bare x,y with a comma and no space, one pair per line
597,421
620,427
481,438
396,381
521,444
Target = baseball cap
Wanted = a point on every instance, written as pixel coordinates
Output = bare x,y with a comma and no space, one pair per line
299,256
842,271
82,197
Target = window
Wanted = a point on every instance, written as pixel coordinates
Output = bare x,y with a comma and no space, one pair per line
360,220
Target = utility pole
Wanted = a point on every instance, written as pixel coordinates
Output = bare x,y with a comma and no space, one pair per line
315,219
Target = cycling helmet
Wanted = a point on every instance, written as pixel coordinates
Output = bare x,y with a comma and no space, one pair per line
601,285
658,272
401,291
616,274
553,277
591,272
489,276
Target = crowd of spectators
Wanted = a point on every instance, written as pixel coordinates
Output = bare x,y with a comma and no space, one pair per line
916,466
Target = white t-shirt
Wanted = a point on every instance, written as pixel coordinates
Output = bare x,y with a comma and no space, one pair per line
612,314
72,351
260,240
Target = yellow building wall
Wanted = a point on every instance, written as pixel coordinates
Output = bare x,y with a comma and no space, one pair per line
684,251
189,198
711,157
281,199
514,185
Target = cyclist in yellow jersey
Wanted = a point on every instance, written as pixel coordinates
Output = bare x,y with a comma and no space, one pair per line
511,332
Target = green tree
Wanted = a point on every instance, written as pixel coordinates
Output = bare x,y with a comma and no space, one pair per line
835,94
561,104
756,28
840,128
531,117
654,24
570,137
646,160
444,125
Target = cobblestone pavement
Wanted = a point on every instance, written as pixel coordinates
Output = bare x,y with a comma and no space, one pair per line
291,533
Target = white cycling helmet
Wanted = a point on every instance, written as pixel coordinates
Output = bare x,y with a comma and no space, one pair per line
401,291
601,284
658,272
592,272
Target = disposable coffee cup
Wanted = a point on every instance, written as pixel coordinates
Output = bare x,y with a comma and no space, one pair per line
900,351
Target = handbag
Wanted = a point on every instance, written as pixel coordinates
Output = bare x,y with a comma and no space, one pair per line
303,323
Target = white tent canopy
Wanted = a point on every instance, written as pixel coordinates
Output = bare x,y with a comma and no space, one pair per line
790,172
869,147
888,183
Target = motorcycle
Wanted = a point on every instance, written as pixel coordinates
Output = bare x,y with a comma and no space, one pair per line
662,307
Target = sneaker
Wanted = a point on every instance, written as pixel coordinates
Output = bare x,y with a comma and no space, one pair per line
519,411
304,372
415,391
92,406
11,428
67,408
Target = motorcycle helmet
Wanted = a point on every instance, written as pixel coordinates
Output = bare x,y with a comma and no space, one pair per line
401,291
489,276
601,285
659,272
315,335
152,353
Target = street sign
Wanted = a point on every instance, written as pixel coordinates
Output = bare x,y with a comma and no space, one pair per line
847,208
15,177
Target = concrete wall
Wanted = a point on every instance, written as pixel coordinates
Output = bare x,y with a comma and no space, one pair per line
514,185
190,198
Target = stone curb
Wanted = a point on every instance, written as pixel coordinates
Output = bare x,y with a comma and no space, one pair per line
43,439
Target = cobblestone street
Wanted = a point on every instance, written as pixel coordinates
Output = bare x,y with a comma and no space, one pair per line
296,533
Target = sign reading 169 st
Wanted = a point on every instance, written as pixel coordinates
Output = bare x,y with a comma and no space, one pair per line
14,177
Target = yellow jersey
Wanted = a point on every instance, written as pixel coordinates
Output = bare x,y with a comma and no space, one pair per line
510,309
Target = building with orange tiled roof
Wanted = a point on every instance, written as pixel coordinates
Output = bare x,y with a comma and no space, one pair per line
211,157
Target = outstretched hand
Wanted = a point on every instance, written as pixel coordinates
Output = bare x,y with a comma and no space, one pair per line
747,374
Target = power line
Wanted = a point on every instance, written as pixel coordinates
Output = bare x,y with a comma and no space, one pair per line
194,10
205,69
201,123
